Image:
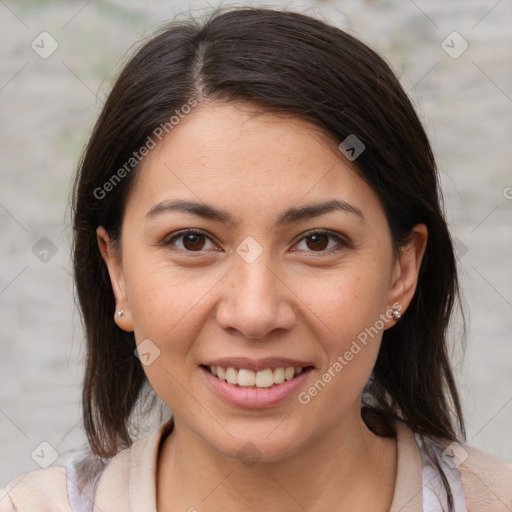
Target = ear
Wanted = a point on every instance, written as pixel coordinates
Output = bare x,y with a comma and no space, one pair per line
112,259
406,269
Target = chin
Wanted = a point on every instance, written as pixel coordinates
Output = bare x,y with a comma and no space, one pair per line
250,445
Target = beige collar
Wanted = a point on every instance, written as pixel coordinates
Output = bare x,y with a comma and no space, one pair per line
129,480
408,495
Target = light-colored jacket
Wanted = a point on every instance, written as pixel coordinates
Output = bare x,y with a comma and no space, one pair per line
127,481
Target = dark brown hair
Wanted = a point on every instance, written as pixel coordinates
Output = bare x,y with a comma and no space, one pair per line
289,63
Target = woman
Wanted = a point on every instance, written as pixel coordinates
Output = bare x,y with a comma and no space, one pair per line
259,240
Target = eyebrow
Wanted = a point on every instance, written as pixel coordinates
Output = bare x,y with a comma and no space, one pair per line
289,216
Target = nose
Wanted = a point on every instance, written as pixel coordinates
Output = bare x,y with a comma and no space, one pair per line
255,300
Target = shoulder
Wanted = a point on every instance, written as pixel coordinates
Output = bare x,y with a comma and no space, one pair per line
478,481
67,486
487,480
35,490
82,482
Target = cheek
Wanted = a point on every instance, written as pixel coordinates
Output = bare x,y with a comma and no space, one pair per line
346,317
167,304
345,302
168,309
344,310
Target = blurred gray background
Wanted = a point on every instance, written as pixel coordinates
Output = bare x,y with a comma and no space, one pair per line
453,57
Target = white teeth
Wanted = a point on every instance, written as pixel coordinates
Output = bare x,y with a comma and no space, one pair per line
261,379
289,373
278,375
264,379
246,377
231,375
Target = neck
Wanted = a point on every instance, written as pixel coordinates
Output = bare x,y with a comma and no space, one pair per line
349,469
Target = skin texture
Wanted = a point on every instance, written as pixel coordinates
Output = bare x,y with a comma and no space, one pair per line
294,300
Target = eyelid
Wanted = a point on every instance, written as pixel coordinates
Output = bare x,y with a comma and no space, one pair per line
319,231
188,231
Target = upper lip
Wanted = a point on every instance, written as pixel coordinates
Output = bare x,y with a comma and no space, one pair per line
256,364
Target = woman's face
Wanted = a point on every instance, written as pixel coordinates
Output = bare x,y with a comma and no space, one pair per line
253,288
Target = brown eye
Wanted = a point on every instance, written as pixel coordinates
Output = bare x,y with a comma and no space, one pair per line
317,242
320,241
191,241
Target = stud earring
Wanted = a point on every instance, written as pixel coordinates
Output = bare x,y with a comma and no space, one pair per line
120,313
396,314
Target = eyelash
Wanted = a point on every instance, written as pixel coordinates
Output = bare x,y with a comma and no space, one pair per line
306,235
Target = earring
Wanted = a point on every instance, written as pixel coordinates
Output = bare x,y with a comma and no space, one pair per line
396,314
120,313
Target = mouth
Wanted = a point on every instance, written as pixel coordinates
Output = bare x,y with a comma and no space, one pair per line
256,379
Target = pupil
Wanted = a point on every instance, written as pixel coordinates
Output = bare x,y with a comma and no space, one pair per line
194,240
317,241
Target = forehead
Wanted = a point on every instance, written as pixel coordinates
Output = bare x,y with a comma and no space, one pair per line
226,155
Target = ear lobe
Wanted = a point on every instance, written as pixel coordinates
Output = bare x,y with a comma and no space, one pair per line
112,259
407,267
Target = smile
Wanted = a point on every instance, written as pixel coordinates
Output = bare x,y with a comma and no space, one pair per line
244,377
258,387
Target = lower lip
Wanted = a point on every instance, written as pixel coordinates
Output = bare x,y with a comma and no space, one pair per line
255,398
